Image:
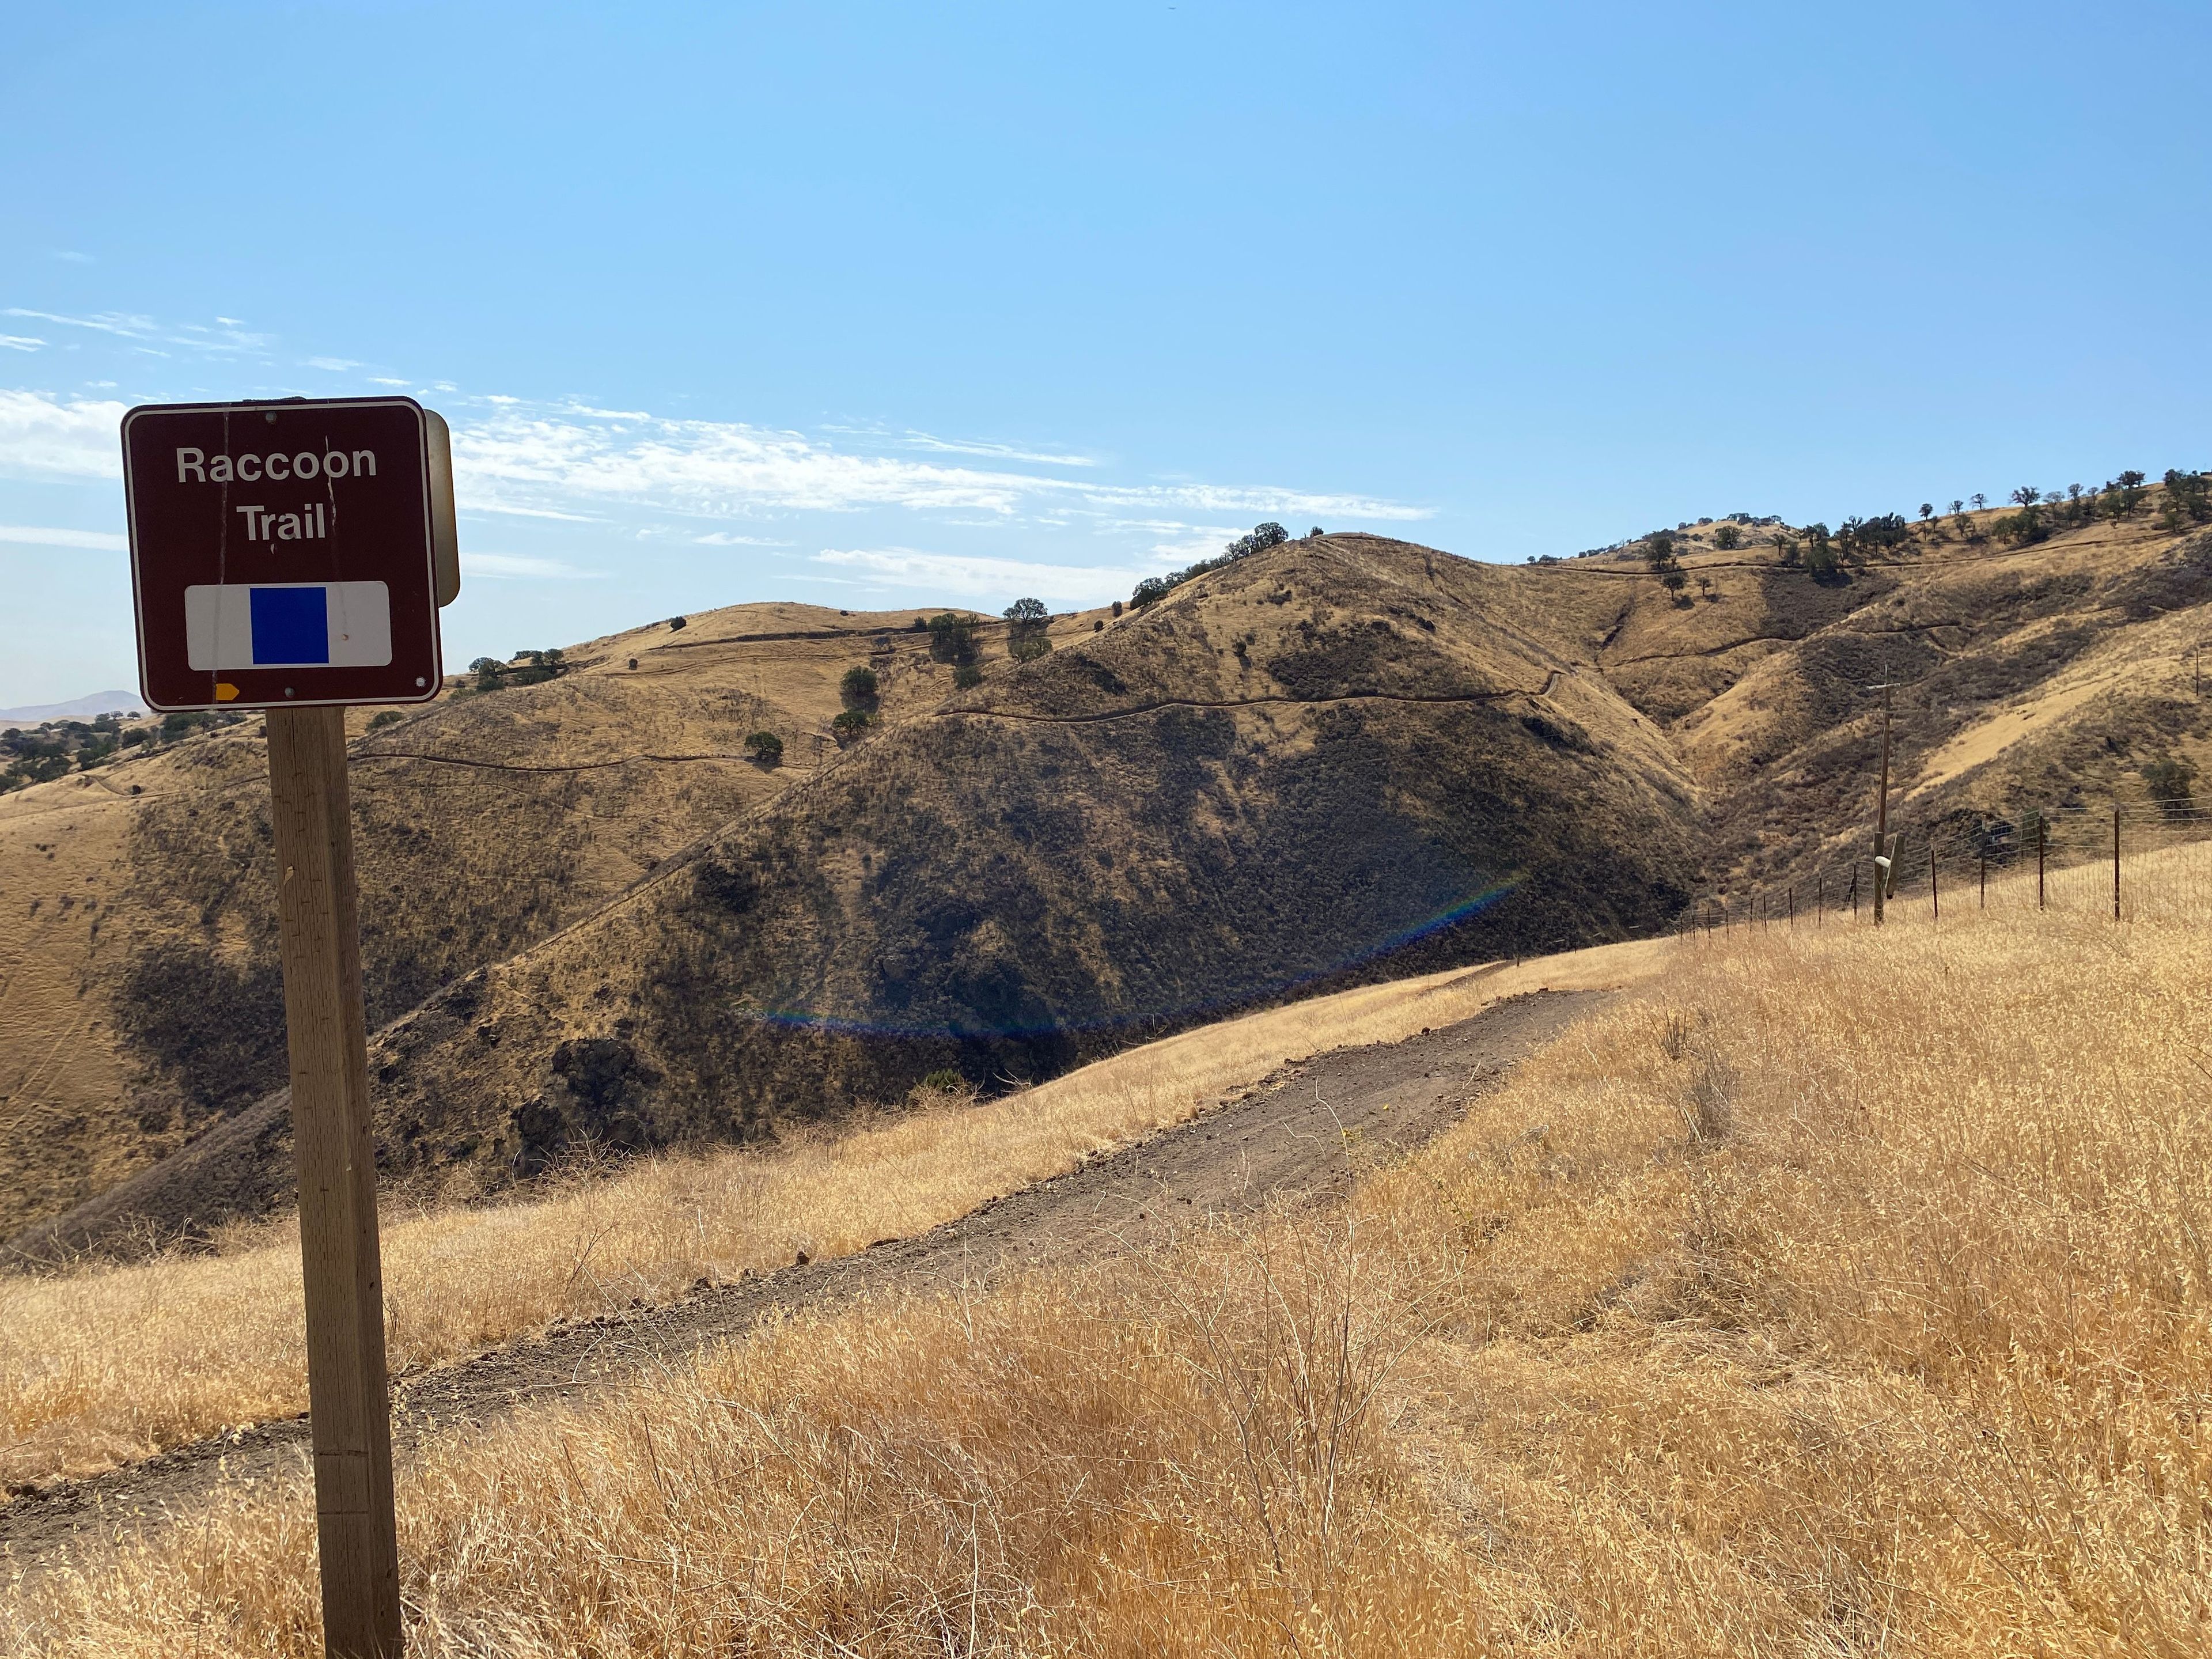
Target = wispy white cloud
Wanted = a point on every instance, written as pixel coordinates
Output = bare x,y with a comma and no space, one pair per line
71,255
514,567
21,342
542,455
41,536
999,452
384,380
513,511
911,439
335,365
980,578
228,337
124,324
46,437
578,463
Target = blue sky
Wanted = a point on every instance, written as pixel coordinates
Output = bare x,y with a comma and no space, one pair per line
878,305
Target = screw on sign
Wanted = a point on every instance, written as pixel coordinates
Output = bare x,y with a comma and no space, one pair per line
292,556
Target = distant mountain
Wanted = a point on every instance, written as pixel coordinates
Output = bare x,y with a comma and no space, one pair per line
78,708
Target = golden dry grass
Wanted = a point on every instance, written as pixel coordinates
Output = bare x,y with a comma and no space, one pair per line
1844,1293
110,1364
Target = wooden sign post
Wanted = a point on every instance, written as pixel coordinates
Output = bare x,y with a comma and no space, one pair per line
292,556
333,1140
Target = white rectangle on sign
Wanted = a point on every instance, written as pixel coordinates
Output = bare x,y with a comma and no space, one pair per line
288,625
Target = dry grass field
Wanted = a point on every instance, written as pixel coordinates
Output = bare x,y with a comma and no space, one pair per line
1838,1293
114,1363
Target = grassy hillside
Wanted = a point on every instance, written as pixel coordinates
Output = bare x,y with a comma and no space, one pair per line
1345,758
2043,676
140,999
1841,1291
1340,758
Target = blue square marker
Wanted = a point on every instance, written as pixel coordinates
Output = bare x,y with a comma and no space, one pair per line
291,625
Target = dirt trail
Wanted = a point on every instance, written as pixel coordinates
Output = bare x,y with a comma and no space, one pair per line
1287,1138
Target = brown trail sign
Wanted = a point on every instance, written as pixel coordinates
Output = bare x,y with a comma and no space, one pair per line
292,556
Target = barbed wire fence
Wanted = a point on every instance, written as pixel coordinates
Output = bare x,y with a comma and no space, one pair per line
2076,858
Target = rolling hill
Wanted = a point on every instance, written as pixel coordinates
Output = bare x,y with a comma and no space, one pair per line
592,920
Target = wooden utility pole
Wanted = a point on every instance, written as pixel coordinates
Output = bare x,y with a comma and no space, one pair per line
1881,850
2042,827
318,929
1935,899
2116,861
1820,898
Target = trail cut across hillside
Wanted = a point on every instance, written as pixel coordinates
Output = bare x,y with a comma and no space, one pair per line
1301,1137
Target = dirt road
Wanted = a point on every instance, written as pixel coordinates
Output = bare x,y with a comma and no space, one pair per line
1287,1138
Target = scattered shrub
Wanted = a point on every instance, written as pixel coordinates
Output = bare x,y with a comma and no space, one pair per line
383,718
2188,498
535,667
1822,560
848,726
967,676
2168,780
953,639
1026,621
765,748
676,624
1659,553
1860,536
1727,539
858,689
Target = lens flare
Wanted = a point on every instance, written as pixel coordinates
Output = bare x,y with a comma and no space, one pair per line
1181,1013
